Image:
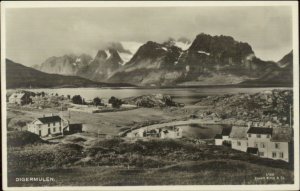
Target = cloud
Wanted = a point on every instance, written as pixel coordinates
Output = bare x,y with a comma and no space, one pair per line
33,35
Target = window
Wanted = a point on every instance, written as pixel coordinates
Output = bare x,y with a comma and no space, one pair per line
258,136
49,132
48,124
59,128
273,154
268,136
277,145
239,143
262,145
256,145
261,154
281,155
249,135
40,132
54,129
53,123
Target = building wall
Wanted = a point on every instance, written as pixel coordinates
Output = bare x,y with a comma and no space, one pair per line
282,149
218,141
240,144
265,146
43,129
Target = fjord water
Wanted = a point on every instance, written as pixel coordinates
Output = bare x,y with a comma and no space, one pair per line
182,95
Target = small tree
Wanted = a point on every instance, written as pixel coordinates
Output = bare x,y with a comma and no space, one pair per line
96,101
115,102
76,99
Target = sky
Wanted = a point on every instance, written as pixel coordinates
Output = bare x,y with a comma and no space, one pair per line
34,34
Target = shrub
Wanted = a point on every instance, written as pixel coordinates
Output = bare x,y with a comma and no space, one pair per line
21,138
77,99
97,101
115,102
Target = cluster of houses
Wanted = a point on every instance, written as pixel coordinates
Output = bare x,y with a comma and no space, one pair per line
171,132
266,142
20,98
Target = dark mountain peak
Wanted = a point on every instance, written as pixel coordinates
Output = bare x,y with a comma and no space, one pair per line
101,54
221,46
114,56
287,60
118,47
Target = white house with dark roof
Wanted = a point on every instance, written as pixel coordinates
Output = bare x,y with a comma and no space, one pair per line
223,137
49,125
274,143
238,137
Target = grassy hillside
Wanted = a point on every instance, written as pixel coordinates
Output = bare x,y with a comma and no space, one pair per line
154,162
19,76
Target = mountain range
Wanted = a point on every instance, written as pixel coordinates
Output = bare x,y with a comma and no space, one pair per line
207,60
20,76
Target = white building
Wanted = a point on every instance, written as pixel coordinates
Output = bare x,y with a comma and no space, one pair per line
223,137
45,126
171,132
274,143
19,98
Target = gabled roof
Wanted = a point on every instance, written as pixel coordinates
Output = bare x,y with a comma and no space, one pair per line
218,136
282,135
252,150
17,95
50,119
238,132
226,131
260,130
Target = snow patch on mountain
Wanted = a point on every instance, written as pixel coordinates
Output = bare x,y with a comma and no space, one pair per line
132,47
125,57
182,45
107,53
203,52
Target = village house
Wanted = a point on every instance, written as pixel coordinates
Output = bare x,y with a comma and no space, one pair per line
274,143
223,137
19,98
49,125
171,132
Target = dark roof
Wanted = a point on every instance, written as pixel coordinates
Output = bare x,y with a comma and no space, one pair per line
260,130
252,150
50,119
218,136
226,131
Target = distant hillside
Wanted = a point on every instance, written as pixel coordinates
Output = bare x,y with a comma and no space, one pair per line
280,76
19,76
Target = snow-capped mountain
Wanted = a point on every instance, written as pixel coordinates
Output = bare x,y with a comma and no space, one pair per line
207,60
66,65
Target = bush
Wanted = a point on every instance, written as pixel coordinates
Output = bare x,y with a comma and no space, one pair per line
97,101
77,99
115,102
21,138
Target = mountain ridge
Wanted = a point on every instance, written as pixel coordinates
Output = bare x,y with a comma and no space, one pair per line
207,60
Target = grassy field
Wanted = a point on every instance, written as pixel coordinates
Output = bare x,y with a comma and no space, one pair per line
109,123
83,159
152,162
